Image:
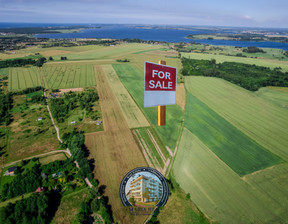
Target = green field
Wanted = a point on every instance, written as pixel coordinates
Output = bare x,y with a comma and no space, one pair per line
234,148
133,80
68,76
218,191
276,95
3,71
22,78
259,119
222,58
131,111
100,52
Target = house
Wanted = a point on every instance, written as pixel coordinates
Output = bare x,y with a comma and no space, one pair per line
73,122
40,189
54,174
98,122
39,119
10,171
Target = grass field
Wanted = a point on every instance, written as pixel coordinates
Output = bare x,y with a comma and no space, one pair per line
3,71
234,148
100,52
276,95
22,78
131,112
52,158
133,80
68,76
218,191
259,119
69,207
27,135
114,150
222,58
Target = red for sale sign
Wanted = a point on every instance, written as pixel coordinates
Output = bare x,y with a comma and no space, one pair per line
160,85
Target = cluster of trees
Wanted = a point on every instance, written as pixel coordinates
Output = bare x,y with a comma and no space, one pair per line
250,77
63,58
38,99
253,50
19,62
33,210
123,60
60,107
94,203
76,143
22,183
6,106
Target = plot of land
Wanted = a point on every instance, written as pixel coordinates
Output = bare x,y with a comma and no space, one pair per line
276,95
259,119
114,150
218,191
234,148
68,76
131,112
22,78
133,80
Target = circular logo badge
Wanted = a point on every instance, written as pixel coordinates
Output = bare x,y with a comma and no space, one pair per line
144,187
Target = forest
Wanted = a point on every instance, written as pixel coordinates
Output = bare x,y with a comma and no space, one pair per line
250,77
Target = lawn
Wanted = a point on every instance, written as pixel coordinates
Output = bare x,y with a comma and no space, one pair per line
238,151
131,111
68,76
133,80
259,119
22,78
218,191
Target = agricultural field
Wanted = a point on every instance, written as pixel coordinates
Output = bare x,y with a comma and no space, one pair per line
218,191
28,136
22,78
276,95
51,158
225,140
3,71
67,76
217,113
270,63
259,119
100,52
114,150
133,80
130,110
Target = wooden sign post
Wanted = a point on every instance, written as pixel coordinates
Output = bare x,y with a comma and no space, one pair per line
162,109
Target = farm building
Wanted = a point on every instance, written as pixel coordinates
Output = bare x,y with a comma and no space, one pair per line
10,171
40,189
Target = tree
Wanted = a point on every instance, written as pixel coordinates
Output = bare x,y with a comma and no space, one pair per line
132,201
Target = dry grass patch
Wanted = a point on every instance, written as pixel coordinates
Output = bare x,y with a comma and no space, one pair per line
181,95
114,150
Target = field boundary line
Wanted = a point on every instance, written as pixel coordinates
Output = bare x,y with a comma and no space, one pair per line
31,77
156,146
65,68
74,78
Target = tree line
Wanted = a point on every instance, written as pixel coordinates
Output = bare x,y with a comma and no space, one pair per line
250,77
19,62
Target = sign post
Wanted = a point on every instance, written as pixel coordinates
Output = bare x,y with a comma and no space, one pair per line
159,87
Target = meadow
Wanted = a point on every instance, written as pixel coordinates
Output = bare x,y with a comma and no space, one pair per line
262,121
133,80
68,76
130,110
22,78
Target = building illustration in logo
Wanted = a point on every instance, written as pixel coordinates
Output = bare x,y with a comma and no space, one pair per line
145,189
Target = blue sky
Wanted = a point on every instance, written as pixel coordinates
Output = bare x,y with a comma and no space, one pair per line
250,13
